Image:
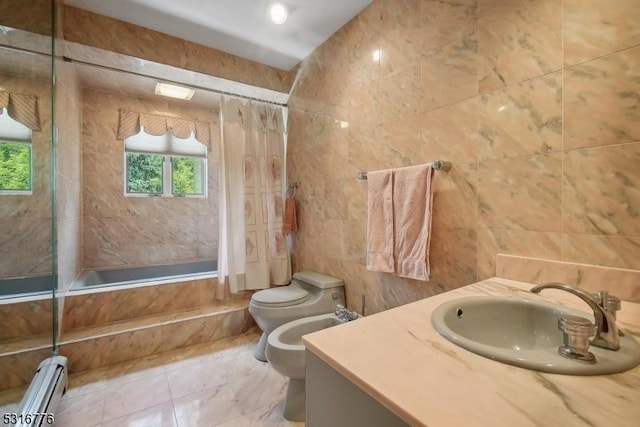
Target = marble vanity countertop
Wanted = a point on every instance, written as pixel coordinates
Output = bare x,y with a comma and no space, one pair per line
399,359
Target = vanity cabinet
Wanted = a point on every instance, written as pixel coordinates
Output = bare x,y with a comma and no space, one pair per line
334,401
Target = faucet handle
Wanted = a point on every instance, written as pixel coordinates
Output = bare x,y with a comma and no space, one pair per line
609,302
576,332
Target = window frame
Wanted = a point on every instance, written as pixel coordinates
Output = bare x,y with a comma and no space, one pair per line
167,177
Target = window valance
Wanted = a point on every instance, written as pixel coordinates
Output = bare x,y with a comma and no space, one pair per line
21,108
131,122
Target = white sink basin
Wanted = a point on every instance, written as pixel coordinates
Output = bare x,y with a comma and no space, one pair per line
525,333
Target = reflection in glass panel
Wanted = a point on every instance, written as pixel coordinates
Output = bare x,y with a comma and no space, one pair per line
15,166
144,173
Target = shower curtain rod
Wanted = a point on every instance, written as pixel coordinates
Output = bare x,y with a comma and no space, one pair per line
160,79
164,80
439,165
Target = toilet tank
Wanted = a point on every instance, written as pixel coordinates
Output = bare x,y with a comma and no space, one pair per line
318,280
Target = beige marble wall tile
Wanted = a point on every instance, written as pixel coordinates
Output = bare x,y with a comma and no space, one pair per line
368,151
622,283
336,202
492,241
25,319
400,36
489,10
87,28
121,230
520,44
36,245
450,133
455,198
352,46
517,187
600,190
614,251
522,119
522,193
115,305
28,15
593,28
402,139
600,99
452,257
364,100
17,369
445,22
400,93
449,74
26,237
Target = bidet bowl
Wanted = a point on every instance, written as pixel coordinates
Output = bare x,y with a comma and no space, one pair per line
524,332
285,351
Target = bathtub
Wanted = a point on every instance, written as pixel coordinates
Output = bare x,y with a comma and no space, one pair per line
22,286
155,274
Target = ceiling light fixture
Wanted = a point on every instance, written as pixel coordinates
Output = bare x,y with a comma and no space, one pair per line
277,12
173,91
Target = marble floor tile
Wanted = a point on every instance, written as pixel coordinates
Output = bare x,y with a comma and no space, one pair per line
270,416
196,377
81,411
216,384
134,396
207,408
157,416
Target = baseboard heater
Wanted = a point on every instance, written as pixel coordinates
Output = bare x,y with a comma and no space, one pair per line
41,400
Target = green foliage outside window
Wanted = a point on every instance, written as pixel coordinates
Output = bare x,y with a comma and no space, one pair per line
185,176
144,173
15,166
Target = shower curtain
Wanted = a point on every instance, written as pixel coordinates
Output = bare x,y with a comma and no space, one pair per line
253,252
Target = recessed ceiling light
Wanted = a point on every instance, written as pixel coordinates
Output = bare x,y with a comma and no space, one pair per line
173,91
278,13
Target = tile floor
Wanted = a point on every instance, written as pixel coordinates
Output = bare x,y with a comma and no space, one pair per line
218,384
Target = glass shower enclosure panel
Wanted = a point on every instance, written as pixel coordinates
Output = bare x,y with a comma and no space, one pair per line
28,264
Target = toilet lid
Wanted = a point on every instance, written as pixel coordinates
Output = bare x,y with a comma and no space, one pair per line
289,295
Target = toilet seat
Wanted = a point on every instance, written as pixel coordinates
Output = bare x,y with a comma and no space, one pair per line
281,297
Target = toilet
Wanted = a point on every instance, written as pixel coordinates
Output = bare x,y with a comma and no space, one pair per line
285,353
309,294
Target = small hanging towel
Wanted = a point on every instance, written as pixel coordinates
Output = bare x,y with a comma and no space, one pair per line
290,221
380,222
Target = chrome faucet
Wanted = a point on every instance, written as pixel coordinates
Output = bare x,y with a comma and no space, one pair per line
344,314
604,308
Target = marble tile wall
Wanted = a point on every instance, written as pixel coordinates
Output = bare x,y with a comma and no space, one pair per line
99,31
119,230
33,16
25,220
535,102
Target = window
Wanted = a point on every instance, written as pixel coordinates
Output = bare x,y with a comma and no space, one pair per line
165,166
15,156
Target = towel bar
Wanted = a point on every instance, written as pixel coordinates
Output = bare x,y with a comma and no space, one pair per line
439,165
